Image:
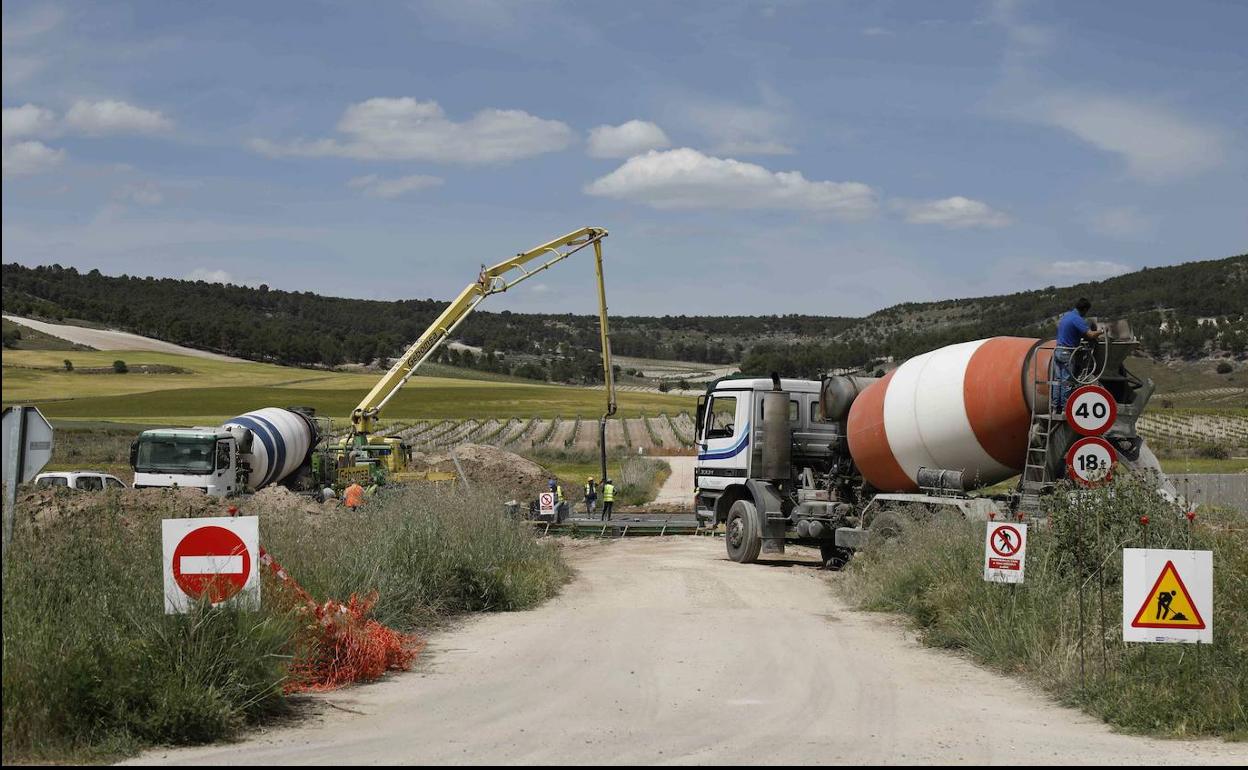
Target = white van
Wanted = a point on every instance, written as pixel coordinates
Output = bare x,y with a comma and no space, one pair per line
88,481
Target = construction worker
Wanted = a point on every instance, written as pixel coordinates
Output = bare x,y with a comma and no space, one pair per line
591,496
608,499
353,498
1072,330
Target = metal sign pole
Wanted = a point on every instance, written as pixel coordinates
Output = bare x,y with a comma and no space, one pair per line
13,473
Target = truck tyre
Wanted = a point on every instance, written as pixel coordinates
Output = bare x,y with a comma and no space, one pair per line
834,557
888,525
743,533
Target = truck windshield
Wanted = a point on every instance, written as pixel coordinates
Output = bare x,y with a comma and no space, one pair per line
159,454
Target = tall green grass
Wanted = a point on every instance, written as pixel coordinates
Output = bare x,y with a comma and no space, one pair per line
93,668
934,574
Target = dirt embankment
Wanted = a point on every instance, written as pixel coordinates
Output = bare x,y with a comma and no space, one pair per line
516,477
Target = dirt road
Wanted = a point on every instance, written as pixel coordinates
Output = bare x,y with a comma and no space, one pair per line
678,489
108,339
664,652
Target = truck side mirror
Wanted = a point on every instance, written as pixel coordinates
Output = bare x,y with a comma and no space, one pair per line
134,453
701,418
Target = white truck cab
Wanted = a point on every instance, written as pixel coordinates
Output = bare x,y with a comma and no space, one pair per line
730,432
191,458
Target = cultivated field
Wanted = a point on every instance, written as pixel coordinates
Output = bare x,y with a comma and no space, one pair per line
191,390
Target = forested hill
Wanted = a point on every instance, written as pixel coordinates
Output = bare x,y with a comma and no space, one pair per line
260,323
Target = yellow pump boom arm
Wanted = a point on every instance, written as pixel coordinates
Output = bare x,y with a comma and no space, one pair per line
492,280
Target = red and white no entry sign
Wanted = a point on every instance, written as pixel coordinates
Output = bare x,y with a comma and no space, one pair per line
1090,461
1091,410
213,559
211,562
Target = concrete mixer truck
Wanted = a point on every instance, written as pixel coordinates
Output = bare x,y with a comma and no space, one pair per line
836,461
246,453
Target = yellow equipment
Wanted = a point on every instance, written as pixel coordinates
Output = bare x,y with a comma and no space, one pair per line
389,451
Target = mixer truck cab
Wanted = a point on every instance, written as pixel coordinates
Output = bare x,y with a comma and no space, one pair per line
247,453
189,458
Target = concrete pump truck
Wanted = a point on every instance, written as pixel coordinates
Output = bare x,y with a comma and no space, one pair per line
290,446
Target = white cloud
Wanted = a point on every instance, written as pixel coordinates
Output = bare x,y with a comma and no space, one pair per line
210,276
953,213
626,140
144,193
21,158
379,187
877,32
113,117
1155,143
407,129
686,178
740,129
1083,270
27,120
36,22
1124,223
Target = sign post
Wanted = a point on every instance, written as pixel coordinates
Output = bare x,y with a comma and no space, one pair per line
1167,596
27,448
212,559
1005,552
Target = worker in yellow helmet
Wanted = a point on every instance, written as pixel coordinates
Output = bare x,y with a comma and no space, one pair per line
591,496
608,499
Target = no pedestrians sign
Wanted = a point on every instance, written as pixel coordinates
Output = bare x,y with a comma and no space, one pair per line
212,559
1005,552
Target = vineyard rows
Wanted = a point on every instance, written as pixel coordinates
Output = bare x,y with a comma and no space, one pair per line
662,431
1177,429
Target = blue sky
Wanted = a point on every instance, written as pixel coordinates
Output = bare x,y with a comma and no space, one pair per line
766,157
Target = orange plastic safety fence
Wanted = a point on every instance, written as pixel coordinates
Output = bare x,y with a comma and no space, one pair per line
341,645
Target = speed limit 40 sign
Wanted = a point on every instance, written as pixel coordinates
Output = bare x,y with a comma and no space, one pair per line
1090,461
1091,410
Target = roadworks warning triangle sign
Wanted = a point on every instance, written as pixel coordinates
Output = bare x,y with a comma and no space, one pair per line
1168,605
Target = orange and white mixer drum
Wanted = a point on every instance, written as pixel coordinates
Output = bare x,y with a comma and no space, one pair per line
964,407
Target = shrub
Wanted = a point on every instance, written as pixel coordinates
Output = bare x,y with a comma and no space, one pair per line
933,573
94,668
119,367
69,365
1224,367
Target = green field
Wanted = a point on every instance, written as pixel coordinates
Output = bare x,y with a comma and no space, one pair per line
205,391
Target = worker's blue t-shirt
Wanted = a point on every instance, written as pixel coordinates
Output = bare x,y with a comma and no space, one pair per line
1070,329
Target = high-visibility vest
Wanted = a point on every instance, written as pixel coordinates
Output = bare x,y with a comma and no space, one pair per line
559,492
608,493
354,496
590,490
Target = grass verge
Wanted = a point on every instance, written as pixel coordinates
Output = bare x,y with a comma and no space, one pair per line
933,574
93,668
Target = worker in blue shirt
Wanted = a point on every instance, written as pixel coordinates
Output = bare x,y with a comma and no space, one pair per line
1072,329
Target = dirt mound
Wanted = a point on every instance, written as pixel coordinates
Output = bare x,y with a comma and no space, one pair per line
517,477
39,508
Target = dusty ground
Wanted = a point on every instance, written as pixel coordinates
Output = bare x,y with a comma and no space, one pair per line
662,651
107,339
678,489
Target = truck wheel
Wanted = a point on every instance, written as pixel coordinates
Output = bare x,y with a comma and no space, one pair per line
743,533
888,525
834,557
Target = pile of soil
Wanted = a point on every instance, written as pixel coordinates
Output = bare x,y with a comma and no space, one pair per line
516,477
41,508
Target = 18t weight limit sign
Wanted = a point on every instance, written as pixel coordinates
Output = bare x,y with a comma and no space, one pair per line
1091,410
1090,461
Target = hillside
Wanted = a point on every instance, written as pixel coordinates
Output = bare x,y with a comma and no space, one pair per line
1189,310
